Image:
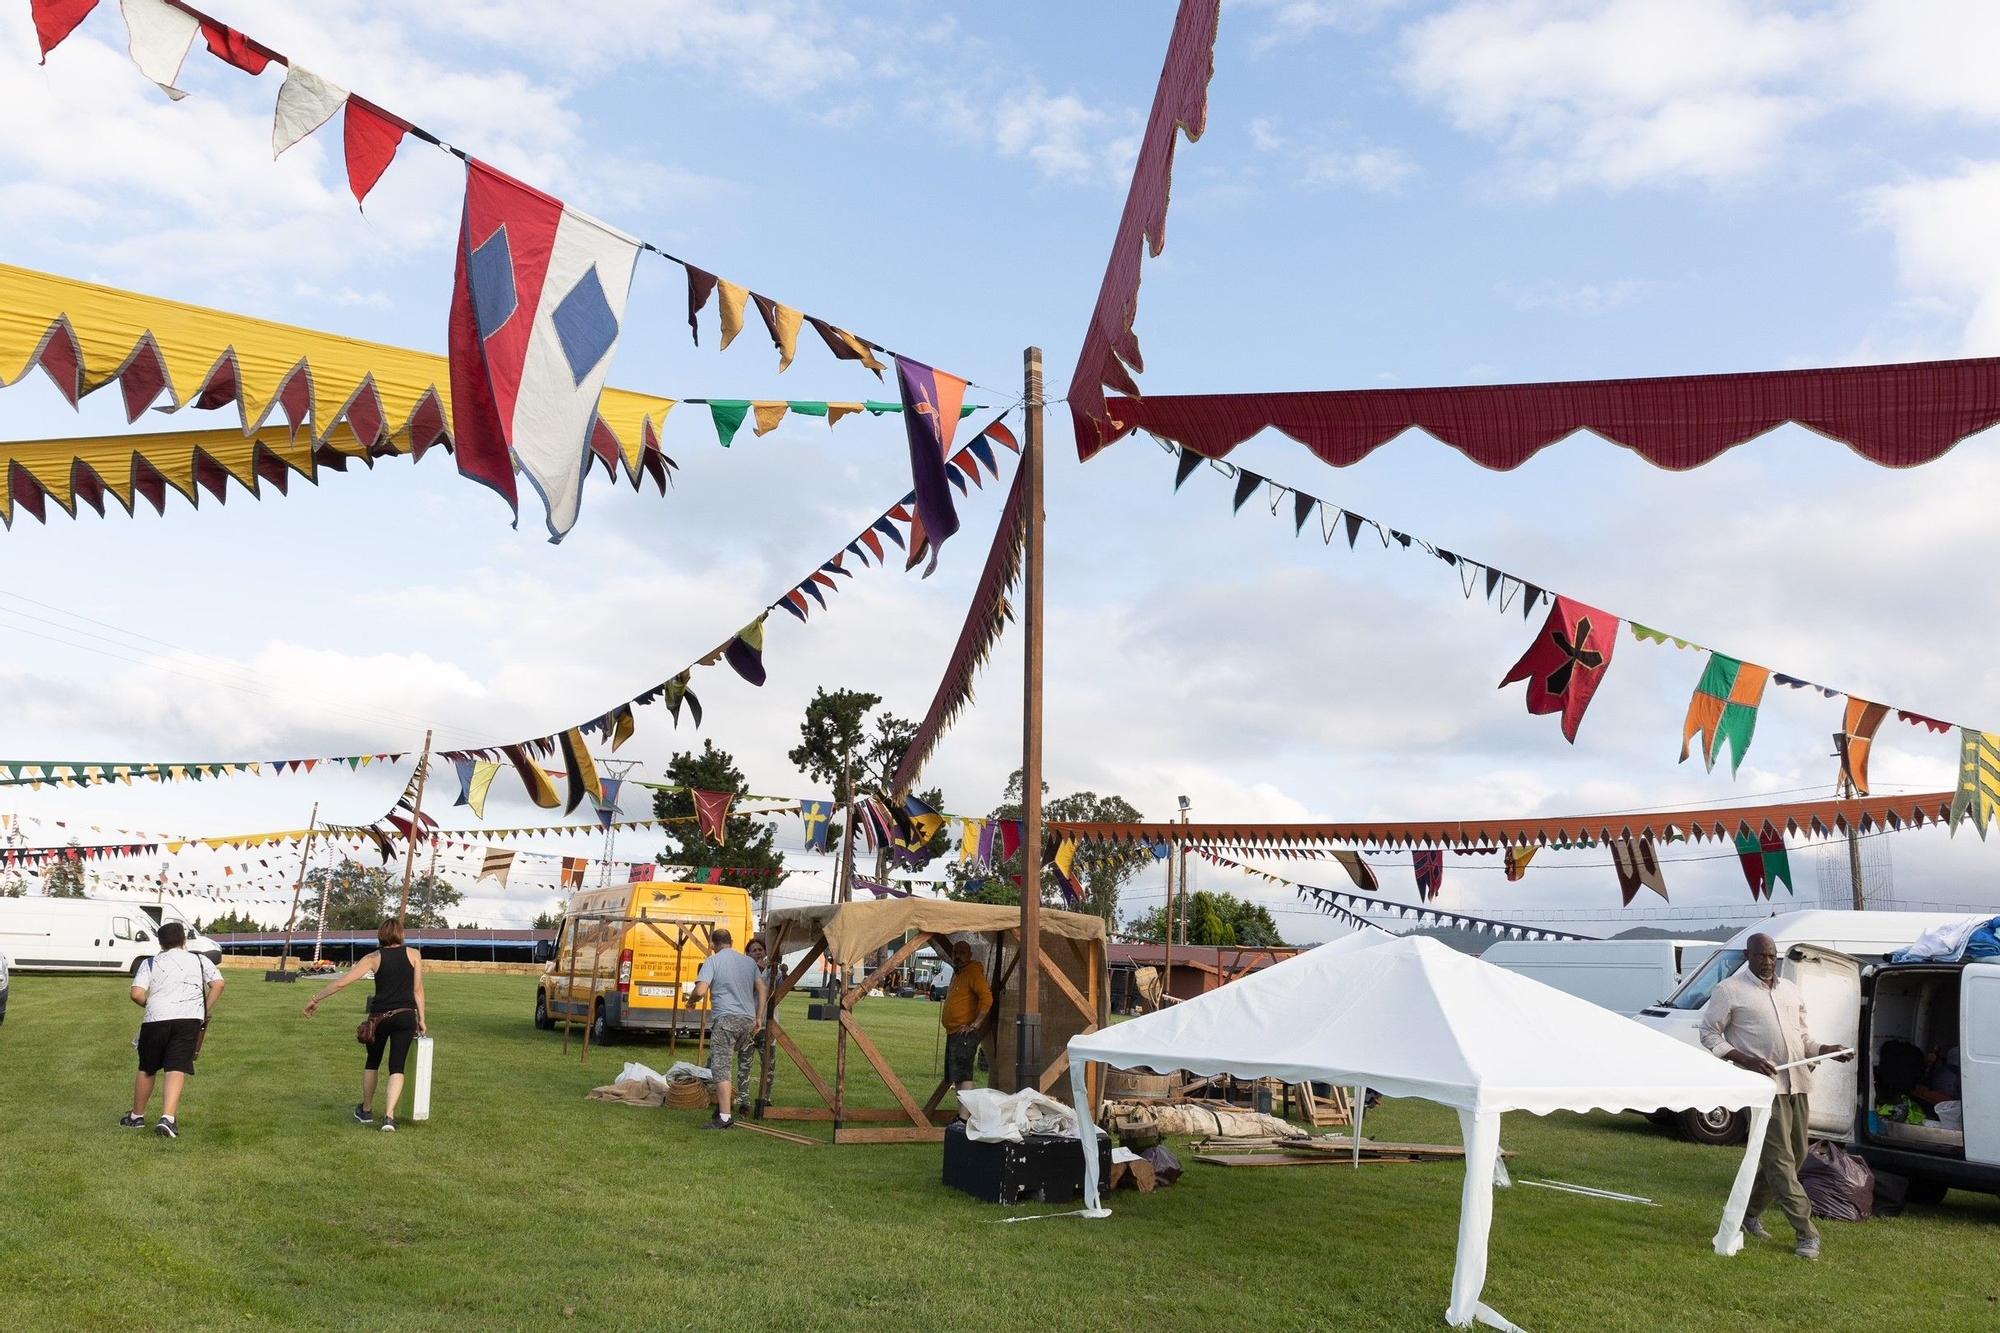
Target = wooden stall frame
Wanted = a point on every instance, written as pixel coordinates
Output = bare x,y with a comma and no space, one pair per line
685,928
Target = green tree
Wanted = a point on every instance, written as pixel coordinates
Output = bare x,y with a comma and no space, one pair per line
1102,868
749,841
1212,918
14,886
551,919
229,923
360,897
843,748
65,878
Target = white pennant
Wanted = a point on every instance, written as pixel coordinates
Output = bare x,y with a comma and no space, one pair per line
305,103
160,38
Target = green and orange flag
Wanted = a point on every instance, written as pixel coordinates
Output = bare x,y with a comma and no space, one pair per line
1724,708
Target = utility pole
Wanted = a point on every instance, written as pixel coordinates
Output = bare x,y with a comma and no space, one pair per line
1028,1043
416,829
1840,741
305,856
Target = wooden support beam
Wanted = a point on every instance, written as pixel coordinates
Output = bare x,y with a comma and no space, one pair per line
888,1134
791,1048
889,964
859,1114
1066,986
888,1075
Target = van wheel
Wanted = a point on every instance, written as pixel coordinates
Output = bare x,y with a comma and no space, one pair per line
601,1033
133,971
542,1019
1927,1192
1717,1127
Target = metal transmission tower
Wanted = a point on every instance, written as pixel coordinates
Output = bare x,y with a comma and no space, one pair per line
623,768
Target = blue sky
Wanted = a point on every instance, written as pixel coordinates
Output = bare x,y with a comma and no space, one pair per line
1387,194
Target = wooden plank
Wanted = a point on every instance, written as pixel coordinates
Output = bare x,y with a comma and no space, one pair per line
791,980
888,1075
937,1097
1066,986
791,1048
862,1114
768,1132
1309,1159
820,1113
888,1134
1053,1074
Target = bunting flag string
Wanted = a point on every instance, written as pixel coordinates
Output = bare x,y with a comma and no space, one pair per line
539,294
743,650
1361,910
38,856
38,773
1562,673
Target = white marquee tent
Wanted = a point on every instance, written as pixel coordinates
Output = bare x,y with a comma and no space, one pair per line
1413,1018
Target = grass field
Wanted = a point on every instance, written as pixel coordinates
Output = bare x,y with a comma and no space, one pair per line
522,1204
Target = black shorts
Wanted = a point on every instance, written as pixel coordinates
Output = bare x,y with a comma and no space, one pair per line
396,1033
168,1045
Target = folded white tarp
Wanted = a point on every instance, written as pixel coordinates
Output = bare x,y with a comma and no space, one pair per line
1414,1018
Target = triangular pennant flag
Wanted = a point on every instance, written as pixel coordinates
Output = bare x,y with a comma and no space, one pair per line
745,652
1247,483
783,323
701,284
931,399
160,36
1517,862
845,345
582,770
481,782
1724,708
728,415
1857,740
1777,862
1354,522
1637,866
540,790
769,415
818,818
232,47
1978,794
711,812
1302,507
1185,466
732,299
1750,852
1567,661
305,102
1358,870
1429,866
370,137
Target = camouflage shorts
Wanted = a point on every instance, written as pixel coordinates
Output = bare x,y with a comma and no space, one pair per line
727,1038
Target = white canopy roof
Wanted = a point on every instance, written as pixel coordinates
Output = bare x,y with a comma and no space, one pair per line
1411,1017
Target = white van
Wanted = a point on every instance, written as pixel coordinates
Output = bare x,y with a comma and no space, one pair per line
1855,934
1623,976
111,935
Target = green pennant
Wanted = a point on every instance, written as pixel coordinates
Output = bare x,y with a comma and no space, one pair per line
875,409
728,415
807,409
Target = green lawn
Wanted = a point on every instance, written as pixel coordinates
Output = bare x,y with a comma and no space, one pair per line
522,1204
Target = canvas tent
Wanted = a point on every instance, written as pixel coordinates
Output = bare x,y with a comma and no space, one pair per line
1414,1018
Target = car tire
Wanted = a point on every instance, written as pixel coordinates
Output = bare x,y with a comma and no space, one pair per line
1718,1127
1927,1192
543,1022
601,1031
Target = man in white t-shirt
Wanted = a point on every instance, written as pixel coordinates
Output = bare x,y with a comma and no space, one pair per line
3,985
178,991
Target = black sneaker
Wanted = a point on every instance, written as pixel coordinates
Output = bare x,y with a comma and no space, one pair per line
166,1128
388,1125
132,1122
717,1122
362,1115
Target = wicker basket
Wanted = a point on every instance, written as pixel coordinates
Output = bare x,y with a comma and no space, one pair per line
688,1094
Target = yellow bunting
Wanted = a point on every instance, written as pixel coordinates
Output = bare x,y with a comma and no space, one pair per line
732,299
769,415
835,411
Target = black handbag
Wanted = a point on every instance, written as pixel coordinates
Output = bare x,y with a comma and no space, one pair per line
366,1031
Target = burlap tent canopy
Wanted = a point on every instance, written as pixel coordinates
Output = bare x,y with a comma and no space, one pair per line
1075,999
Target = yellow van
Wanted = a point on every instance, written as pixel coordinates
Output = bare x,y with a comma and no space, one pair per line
627,954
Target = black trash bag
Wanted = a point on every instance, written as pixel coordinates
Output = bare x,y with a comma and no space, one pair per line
1892,1193
1840,1185
1166,1167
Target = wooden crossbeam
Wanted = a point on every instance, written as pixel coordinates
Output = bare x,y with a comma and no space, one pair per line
888,1075
791,1048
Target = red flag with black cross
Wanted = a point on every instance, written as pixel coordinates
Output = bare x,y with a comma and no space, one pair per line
1567,661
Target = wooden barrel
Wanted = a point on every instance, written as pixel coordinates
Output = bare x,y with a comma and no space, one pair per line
1125,1085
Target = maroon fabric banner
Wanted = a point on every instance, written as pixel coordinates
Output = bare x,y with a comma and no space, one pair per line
1180,105
1897,415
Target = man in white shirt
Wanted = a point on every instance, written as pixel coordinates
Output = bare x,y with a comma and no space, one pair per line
3,986
1757,1021
178,991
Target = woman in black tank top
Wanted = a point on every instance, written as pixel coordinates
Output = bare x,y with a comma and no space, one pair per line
399,1002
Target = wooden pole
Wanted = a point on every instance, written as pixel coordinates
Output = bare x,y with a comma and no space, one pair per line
1028,1043
1853,842
305,859
1167,934
416,827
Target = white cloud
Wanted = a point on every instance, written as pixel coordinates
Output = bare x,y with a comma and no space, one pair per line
1378,170
1944,229
1065,137
1617,95
1290,20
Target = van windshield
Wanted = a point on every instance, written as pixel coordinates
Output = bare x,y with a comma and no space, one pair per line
1694,993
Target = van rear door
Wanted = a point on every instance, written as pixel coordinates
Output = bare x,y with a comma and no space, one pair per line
1979,1060
1831,984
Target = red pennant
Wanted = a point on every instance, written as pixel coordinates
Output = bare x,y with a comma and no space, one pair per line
57,19
1567,661
372,136
711,812
231,46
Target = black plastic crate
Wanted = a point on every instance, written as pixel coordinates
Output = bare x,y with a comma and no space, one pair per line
1043,1168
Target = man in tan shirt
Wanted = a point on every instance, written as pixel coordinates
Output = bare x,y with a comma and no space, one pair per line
1757,1020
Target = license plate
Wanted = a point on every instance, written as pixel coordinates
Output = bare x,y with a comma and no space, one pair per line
660,992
